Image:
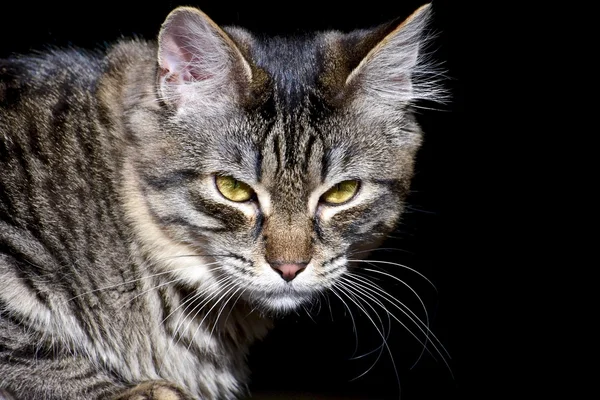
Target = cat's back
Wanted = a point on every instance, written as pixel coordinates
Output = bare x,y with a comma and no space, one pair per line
43,84
54,166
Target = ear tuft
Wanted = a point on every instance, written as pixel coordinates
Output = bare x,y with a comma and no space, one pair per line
395,70
197,59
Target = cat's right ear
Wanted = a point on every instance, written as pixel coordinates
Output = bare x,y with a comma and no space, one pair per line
198,61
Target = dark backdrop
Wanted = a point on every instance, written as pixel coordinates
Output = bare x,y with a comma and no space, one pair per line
443,234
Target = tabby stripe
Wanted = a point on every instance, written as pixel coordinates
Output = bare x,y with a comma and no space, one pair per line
89,320
291,143
204,206
326,272
165,309
7,207
318,230
258,165
26,171
88,374
89,188
165,302
172,179
393,183
309,151
240,258
325,164
277,150
257,229
228,216
25,279
179,221
98,389
357,215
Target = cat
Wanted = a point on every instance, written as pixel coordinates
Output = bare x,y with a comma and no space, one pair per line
161,202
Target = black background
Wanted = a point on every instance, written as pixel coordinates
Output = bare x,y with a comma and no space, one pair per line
446,234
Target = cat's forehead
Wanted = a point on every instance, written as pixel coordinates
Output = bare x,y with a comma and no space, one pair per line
297,152
294,65
300,68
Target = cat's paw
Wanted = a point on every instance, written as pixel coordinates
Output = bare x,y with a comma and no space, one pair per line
154,390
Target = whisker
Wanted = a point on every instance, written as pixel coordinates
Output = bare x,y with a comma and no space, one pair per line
353,322
196,294
156,287
426,332
234,303
370,262
378,317
232,286
199,294
366,294
196,310
380,249
130,301
376,328
377,290
136,280
221,310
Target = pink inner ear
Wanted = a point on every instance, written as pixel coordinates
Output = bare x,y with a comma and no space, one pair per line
180,64
173,59
193,74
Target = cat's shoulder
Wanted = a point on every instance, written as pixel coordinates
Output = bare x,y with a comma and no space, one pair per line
42,74
63,70
47,66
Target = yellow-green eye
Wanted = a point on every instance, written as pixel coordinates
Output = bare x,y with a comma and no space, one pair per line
232,189
340,193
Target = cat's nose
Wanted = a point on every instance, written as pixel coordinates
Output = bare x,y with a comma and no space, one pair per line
288,271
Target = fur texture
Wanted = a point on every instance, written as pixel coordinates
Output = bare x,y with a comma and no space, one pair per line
125,273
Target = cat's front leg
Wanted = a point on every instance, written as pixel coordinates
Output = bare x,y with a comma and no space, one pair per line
154,390
72,379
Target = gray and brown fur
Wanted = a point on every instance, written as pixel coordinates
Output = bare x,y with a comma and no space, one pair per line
112,234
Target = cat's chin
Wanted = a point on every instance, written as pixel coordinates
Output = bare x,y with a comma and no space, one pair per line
280,303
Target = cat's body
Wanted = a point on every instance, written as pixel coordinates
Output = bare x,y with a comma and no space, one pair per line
122,263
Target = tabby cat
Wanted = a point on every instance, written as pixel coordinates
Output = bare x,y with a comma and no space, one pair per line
161,201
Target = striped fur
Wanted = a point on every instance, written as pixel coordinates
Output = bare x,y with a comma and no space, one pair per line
124,271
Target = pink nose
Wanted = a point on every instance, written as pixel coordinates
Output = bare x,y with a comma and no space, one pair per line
288,271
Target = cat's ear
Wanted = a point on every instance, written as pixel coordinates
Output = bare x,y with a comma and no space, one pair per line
390,70
198,61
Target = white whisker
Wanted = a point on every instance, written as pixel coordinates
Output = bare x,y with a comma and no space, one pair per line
377,290
370,262
195,296
234,303
385,344
353,322
230,287
130,301
423,327
363,291
136,280
199,306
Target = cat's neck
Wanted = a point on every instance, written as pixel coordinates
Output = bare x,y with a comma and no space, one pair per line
219,320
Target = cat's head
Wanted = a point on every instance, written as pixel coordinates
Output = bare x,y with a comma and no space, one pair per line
265,165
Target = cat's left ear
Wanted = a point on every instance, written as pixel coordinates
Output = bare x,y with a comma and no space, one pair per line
198,61
389,72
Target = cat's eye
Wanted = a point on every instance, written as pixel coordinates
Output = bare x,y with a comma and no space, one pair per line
232,189
341,192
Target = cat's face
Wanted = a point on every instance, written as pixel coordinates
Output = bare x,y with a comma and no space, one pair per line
264,179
